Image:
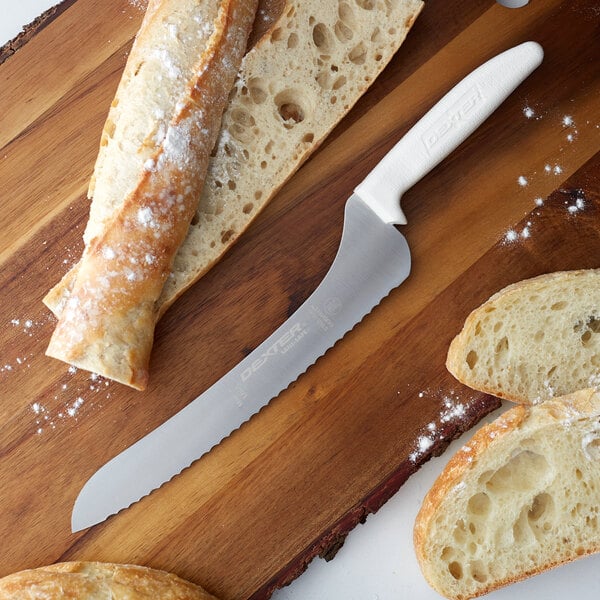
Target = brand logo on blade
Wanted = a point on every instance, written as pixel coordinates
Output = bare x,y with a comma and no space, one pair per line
458,112
285,343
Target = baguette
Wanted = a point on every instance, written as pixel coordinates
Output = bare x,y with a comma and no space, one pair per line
520,498
98,581
533,340
295,84
149,173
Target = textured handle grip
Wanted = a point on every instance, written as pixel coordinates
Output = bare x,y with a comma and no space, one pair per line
444,127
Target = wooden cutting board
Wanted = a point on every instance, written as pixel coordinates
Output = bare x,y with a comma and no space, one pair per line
342,439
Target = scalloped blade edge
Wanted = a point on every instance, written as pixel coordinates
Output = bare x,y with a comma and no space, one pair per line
373,258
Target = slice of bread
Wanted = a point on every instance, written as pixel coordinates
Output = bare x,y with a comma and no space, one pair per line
98,581
520,498
533,340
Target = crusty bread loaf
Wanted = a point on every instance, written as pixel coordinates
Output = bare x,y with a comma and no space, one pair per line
98,581
294,86
152,163
521,497
533,340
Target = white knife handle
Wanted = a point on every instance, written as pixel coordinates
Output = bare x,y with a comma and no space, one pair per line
444,127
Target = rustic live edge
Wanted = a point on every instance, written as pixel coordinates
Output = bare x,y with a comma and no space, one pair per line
340,441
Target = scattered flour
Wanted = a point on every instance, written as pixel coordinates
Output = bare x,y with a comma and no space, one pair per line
72,392
567,122
452,409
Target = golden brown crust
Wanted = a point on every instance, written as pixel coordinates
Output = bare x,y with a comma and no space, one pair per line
98,581
584,404
456,468
107,324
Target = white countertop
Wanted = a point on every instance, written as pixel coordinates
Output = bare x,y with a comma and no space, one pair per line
377,561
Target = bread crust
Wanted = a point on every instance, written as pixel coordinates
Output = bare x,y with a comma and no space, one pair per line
98,581
109,299
520,419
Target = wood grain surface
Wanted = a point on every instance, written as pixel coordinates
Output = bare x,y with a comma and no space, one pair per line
338,442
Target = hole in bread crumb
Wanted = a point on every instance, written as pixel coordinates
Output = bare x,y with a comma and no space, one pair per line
346,14
479,504
342,32
447,553
502,347
243,117
455,569
478,571
227,235
358,54
308,138
522,472
290,111
231,185
258,195
472,359
322,38
256,90
376,35
292,40
542,505
559,305
248,208
460,533
289,107
366,4
263,164
591,445
339,82
324,80
195,219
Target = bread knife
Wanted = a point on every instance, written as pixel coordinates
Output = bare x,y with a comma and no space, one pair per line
373,258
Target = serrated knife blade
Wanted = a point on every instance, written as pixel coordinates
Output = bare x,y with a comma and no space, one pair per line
373,258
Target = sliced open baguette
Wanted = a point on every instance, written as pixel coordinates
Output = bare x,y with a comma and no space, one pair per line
294,85
98,581
533,340
521,497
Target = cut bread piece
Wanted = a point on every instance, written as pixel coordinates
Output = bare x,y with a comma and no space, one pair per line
521,497
294,86
533,340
